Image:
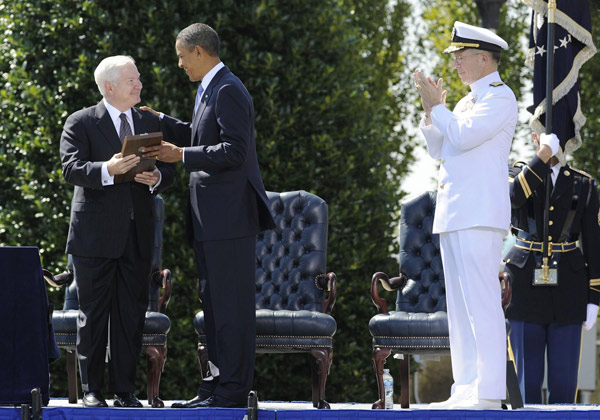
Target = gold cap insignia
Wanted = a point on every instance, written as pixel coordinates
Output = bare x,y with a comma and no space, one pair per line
496,84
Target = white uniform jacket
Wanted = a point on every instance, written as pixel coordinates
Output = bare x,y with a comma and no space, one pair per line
473,143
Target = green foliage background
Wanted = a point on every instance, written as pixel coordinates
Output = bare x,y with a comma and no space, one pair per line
335,115
514,19
588,156
321,75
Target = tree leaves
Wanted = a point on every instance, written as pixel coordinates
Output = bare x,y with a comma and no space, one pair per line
325,80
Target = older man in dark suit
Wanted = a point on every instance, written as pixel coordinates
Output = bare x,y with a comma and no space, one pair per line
229,207
111,230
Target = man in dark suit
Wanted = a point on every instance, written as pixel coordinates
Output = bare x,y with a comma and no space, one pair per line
111,232
547,318
228,207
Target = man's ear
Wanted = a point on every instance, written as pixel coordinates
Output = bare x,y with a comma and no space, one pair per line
198,49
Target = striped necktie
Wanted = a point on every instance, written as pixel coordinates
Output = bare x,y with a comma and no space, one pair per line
125,129
198,98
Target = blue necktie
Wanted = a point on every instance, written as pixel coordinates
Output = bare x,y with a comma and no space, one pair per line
198,98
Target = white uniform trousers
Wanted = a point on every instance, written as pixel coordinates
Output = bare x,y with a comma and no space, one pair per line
471,259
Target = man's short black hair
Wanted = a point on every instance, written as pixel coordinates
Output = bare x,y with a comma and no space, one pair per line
202,35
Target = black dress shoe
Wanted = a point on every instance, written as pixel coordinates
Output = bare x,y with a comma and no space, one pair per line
205,391
207,388
93,399
193,403
127,399
216,401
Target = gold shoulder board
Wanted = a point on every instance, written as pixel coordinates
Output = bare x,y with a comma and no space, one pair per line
496,84
584,173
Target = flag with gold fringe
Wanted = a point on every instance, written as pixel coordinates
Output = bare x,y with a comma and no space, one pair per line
573,46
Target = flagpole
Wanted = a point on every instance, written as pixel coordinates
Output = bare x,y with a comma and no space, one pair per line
546,249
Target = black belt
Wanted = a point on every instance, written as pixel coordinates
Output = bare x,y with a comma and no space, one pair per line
537,246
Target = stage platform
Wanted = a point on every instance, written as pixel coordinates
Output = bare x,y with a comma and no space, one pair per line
60,409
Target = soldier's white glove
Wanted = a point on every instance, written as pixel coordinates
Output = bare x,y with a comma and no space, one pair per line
551,141
592,314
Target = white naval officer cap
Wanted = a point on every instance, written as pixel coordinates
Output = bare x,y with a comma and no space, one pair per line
469,36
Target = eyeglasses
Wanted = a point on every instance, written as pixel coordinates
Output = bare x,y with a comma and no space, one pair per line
458,59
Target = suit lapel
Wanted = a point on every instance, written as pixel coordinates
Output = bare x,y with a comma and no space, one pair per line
206,96
106,126
138,122
198,115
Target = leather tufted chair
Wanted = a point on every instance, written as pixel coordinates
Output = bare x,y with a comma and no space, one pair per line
156,325
293,313
419,325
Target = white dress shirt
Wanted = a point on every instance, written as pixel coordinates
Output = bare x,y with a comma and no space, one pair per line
115,116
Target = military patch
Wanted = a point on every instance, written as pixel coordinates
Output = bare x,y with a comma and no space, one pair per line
469,104
467,107
496,84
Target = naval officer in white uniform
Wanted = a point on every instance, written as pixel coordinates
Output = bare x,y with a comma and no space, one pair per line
472,212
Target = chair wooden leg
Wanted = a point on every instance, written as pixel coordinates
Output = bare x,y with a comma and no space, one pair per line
320,370
72,375
405,381
379,358
203,361
157,356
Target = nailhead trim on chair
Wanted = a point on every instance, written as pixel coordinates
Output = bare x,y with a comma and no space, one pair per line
392,346
66,343
153,335
396,337
294,336
320,276
311,346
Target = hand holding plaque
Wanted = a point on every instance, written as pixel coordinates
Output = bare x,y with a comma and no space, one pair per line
132,145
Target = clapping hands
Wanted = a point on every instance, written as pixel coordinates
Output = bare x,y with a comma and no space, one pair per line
432,93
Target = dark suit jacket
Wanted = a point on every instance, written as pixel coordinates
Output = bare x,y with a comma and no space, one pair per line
227,195
578,272
100,216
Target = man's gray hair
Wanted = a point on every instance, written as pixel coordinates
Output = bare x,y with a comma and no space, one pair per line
202,35
108,70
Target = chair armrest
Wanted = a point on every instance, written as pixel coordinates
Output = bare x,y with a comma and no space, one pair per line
327,282
393,284
506,285
164,277
59,280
